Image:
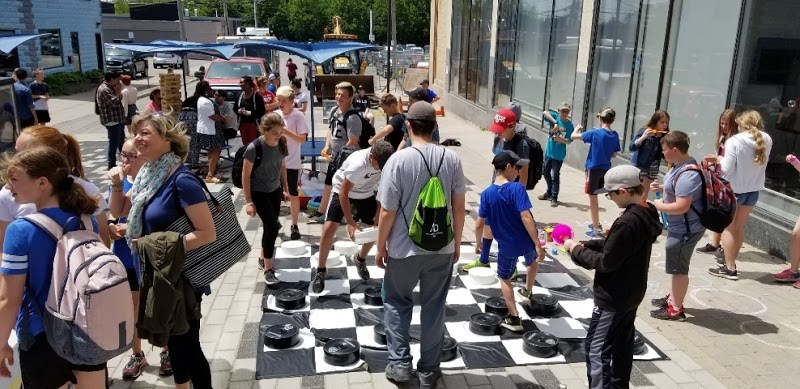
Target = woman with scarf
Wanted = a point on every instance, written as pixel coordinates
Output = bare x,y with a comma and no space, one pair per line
163,191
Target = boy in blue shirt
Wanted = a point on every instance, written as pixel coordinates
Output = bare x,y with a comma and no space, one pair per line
556,150
603,146
505,207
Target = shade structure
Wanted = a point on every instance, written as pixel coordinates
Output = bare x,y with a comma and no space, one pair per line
9,42
219,50
316,52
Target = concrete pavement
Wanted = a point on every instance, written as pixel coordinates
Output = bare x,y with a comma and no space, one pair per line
740,334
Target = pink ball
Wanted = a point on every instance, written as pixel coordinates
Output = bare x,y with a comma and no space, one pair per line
562,232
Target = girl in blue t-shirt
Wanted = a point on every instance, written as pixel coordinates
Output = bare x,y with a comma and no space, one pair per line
39,176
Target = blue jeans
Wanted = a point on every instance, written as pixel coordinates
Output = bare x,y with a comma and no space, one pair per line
433,271
116,137
552,175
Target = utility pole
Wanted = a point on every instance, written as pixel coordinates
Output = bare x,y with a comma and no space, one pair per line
390,27
226,30
393,15
255,15
182,30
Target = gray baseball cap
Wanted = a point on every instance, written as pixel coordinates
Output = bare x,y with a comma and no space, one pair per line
618,177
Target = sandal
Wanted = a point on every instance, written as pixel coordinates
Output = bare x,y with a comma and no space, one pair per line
212,180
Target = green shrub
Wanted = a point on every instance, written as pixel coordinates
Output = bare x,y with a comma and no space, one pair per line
96,73
63,83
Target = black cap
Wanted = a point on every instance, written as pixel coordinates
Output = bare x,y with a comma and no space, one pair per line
418,94
506,157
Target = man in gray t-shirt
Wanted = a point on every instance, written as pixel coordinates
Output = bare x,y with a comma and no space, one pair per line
341,134
406,264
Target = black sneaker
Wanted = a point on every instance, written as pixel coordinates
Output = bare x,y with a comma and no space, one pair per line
270,278
554,203
667,313
318,283
544,197
723,272
524,294
295,235
720,253
361,266
707,249
512,323
721,261
660,302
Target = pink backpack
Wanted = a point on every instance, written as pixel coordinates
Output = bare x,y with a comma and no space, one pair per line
88,315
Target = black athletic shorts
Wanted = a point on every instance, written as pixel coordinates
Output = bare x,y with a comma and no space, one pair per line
292,177
133,279
329,175
41,367
363,210
595,180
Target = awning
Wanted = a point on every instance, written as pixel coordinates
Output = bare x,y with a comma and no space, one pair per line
9,42
224,51
316,52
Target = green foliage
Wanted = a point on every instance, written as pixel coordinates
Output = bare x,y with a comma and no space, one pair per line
121,7
94,73
303,20
66,83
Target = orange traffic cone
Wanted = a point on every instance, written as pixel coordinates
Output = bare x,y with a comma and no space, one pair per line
440,111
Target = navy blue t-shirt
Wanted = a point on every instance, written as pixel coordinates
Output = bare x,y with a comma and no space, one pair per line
166,206
501,206
602,144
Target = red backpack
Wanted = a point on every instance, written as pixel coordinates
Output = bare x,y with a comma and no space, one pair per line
718,198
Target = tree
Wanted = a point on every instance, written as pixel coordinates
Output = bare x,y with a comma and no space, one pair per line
121,7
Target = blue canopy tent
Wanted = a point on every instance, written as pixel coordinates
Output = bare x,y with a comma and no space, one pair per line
224,51
316,52
9,42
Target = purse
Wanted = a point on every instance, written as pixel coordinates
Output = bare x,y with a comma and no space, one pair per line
206,263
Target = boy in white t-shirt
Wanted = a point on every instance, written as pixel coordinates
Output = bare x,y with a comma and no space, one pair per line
296,134
354,197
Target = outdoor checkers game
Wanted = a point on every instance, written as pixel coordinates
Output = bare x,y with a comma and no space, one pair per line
341,329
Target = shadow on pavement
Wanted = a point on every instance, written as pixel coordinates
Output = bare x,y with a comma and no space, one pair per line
729,323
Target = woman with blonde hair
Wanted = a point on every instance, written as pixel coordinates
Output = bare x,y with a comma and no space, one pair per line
744,166
725,129
163,191
67,146
39,176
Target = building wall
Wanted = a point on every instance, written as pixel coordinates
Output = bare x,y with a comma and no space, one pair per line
441,32
119,26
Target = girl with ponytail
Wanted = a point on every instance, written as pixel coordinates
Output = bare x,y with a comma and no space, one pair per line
70,151
39,176
744,165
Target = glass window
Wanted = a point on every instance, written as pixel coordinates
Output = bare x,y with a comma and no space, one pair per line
768,80
530,67
647,66
459,24
615,42
564,51
506,43
698,74
51,53
10,61
470,67
484,47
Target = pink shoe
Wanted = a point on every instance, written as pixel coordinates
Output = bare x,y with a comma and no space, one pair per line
796,284
134,368
786,276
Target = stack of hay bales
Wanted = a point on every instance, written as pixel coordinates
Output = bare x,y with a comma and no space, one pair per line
170,84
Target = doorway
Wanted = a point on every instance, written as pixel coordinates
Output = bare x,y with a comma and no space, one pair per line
98,42
76,51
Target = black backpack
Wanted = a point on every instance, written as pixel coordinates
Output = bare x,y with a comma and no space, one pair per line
536,156
238,163
367,129
346,151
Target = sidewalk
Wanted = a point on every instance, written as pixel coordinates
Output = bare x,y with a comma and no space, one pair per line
740,334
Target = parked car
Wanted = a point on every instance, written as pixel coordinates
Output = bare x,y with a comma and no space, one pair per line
51,46
167,60
225,74
424,63
415,55
126,61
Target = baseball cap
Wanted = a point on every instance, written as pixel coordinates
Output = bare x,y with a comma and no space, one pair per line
618,177
418,94
607,113
516,108
564,105
421,110
506,157
504,118
272,76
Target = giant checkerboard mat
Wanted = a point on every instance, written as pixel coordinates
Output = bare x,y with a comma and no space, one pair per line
340,312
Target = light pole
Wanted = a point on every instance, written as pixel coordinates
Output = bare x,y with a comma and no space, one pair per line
255,15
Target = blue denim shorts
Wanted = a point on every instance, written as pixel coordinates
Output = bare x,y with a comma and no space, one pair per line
747,199
506,265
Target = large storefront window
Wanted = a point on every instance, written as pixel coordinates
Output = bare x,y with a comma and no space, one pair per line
768,80
506,43
471,42
51,54
564,51
615,44
530,69
698,72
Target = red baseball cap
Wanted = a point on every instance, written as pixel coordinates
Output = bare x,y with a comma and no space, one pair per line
504,119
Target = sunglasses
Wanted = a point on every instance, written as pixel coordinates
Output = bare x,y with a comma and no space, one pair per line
129,156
